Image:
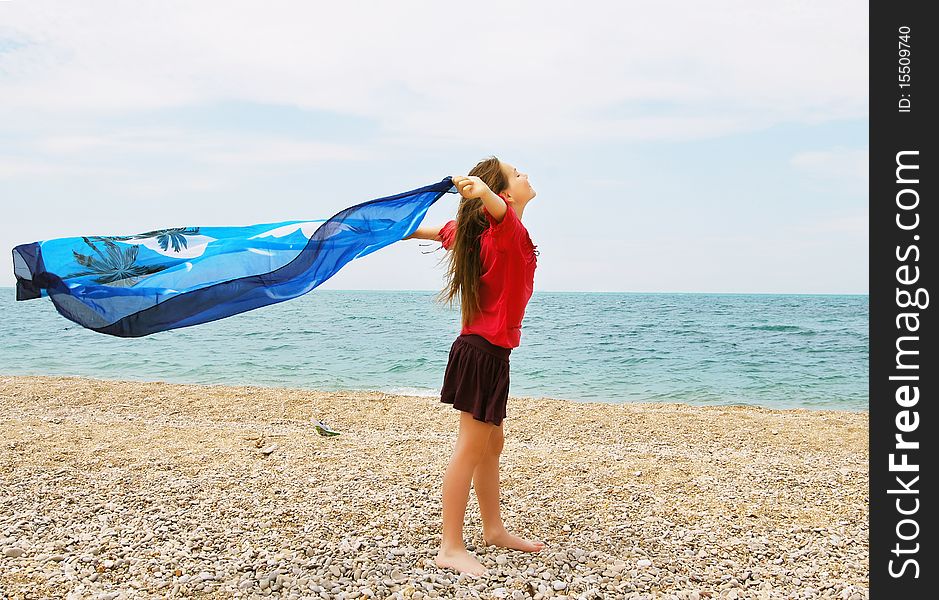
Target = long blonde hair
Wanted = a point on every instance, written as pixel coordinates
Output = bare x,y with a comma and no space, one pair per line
464,264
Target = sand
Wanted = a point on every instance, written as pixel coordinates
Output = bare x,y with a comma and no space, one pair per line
121,489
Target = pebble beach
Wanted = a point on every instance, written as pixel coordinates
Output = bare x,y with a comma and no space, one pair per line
122,489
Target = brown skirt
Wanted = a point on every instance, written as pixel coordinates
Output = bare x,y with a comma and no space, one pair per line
477,378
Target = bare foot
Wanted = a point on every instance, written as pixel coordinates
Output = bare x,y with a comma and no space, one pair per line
505,539
461,560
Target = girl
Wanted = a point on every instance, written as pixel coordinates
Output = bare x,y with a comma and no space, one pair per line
492,263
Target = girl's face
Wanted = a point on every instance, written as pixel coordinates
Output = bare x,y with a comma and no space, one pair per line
519,190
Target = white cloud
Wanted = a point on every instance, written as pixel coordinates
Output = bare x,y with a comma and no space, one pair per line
840,163
217,148
530,71
857,224
16,167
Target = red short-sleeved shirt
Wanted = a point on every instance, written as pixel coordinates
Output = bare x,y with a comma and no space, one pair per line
507,281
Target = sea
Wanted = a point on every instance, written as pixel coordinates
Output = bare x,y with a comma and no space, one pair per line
776,351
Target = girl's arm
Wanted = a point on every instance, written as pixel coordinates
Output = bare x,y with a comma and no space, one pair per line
426,233
473,187
494,204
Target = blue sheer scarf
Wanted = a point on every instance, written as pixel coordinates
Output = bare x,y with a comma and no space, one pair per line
135,285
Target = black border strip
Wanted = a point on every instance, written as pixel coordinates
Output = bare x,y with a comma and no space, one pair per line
903,540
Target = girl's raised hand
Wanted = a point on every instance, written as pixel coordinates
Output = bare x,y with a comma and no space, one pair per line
471,186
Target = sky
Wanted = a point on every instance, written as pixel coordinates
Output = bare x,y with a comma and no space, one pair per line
674,146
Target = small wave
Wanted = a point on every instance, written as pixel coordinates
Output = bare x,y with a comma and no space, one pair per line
279,347
638,360
255,333
792,328
685,332
408,365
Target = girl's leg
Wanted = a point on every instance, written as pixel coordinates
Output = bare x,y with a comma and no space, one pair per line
470,446
486,484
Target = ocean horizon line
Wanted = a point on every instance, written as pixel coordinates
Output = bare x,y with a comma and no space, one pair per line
13,287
